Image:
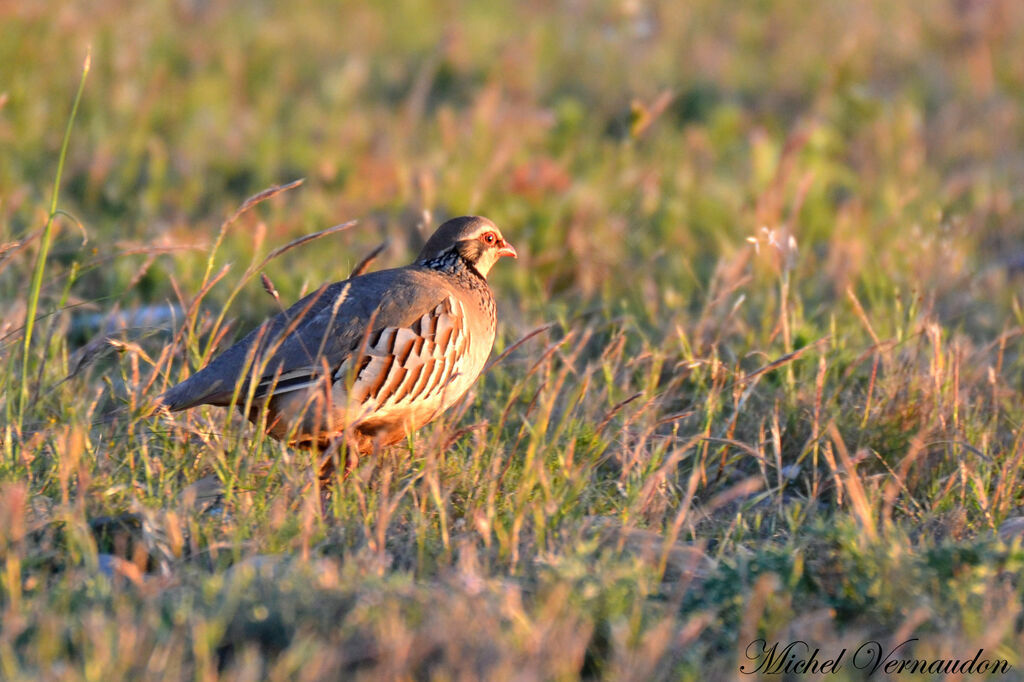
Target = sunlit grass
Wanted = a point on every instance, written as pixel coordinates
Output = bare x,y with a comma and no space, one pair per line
764,338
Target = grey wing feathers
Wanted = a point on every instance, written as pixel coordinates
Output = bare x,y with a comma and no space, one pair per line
215,384
323,330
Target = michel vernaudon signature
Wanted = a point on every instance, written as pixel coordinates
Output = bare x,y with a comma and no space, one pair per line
797,658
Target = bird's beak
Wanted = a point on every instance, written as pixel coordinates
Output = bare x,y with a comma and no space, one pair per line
507,249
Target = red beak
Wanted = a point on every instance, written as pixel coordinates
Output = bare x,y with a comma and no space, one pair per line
507,249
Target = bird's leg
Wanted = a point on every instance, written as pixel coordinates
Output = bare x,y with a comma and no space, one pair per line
344,448
351,458
328,461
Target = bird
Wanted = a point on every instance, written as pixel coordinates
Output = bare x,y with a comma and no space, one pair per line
367,360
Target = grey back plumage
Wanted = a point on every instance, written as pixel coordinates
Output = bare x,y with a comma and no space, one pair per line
323,328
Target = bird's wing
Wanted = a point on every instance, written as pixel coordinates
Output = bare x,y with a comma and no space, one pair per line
393,360
323,331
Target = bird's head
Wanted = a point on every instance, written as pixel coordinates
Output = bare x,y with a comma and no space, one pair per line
475,239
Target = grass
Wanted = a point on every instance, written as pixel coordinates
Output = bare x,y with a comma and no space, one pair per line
699,432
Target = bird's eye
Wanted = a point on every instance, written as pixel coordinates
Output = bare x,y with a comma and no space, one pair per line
489,238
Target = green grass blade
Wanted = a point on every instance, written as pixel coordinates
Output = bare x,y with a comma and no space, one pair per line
44,245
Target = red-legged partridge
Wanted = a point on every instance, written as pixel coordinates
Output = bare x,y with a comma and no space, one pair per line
371,358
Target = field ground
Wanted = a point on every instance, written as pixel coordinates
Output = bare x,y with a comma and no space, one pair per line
773,258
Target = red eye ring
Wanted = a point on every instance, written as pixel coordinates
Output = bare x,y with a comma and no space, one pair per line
489,238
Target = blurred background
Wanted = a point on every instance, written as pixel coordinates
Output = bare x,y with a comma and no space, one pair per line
626,147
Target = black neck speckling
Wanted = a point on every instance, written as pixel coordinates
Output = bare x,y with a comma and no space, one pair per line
453,264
